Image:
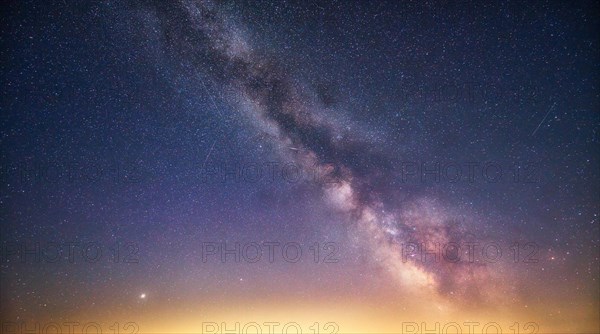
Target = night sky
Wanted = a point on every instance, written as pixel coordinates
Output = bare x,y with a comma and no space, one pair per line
363,165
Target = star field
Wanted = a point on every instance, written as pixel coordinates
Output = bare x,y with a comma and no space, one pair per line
166,165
